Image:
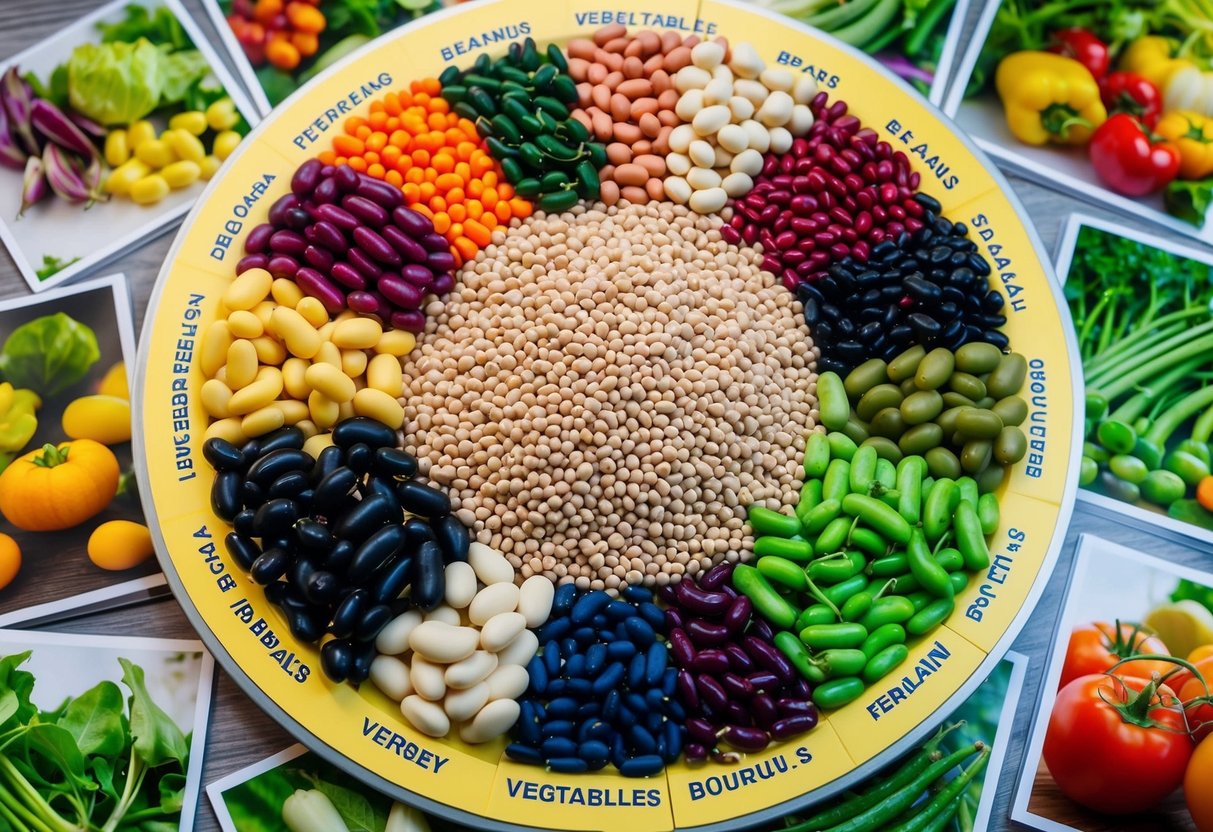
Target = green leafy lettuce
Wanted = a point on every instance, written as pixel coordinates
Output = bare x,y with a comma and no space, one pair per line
49,354
115,83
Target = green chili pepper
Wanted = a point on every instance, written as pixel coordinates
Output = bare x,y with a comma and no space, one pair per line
841,662
557,149
485,82
800,551
764,521
514,75
930,616
883,636
449,76
512,170
889,566
839,593
515,109
751,583
868,542
500,150
454,93
881,664
816,456
855,608
544,76
838,692
988,513
891,609
823,636
556,57
938,507
833,536
588,182
527,187
557,201
574,130
841,446
950,559
816,614
863,470
832,403
878,516
553,180
834,569
531,126
783,571
798,656
481,101
930,575
551,106
564,88
969,539
465,110
530,55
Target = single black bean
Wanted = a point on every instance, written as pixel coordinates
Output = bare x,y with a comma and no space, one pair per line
372,621
290,484
244,550
429,582
225,495
313,535
251,494
391,580
375,552
337,659
340,556
362,429
331,492
270,565
243,522
275,517
393,462
364,654
348,612
305,625
222,455
416,532
359,457
417,498
277,461
365,518
453,538
378,485
321,587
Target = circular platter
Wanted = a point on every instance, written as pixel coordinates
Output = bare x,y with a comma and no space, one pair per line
361,729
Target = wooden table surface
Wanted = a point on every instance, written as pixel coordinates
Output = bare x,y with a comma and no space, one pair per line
241,734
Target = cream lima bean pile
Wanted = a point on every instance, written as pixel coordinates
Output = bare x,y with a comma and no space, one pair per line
605,390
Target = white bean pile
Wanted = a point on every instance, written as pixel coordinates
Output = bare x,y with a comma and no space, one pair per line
607,389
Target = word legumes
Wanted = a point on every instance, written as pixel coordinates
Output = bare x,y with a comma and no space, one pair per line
274,358
520,103
348,241
325,534
733,110
626,97
460,667
736,687
601,689
959,410
606,425
413,141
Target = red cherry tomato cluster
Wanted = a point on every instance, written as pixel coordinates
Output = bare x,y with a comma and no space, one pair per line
282,34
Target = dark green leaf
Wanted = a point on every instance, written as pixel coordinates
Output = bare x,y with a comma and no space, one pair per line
95,720
58,747
49,354
172,792
156,738
359,814
21,684
1189,201
160,27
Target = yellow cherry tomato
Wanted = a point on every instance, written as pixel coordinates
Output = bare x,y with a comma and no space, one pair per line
120,544
10,560
104,419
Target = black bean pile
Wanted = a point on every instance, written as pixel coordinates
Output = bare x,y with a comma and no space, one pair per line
601,688
327,536
930,287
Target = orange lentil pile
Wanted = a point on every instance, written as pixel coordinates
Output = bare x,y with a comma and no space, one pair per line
412,140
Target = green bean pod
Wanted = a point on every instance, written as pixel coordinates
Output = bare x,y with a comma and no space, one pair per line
766,522
799,657
827,636
810,498
816,456
834,569
840,593
883,663
821,515
950,559
816,614
930,616
832,403
835,662
783,572
938,508
855,608
841,446
868,542
837,482
891,609
883,636
969,539
878,516
833,536
889,566
838,692
800,551
930,574
988,513
909,487
770,604
863,470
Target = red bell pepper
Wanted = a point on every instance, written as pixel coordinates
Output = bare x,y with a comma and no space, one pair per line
1127,92
1084,47
1129,159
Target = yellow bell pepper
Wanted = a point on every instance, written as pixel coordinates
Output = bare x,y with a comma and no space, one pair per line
1192,135
1049,98
1183,84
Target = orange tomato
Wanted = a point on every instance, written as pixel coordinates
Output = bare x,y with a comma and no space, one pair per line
1204,492
10,560
282,54
1198,786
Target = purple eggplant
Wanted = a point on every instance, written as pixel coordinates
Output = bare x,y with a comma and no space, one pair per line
33,185
52,123
18,100
11,154
89,126
69,178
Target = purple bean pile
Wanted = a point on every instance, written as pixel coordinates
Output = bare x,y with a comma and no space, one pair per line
349,241
736,686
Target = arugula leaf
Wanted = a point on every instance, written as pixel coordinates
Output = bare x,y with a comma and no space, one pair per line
20,683
94,719
1190,201
156,738
58,746
359,814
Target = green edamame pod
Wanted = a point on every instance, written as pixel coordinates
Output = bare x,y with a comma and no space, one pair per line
942,463
810,498
938,508
816,614
864,377
868,542
770,604
856,430
836,662
891,609
837,481
834,569
799,551
877,399
950,559
855,608
832,403
838,692
881,664
987,513
930,575
930,616
1008,376
967,488
841,446
877,516
886,472
863,470
839,594
883,636
783,571
885,448
909,487
969,539
833,536
905,365
794,650
825,636
960,581
764,521
890,566
821,515
816,456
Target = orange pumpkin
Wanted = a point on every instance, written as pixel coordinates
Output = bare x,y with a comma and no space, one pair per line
58,487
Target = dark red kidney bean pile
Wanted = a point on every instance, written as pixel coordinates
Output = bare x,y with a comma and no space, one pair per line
327,536
837,192
349,241
601,689
930,287
736,686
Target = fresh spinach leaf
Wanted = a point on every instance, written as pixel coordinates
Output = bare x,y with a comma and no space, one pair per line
359,814
95,720
156,738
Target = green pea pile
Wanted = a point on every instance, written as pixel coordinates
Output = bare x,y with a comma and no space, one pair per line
960,411
873,555
521,103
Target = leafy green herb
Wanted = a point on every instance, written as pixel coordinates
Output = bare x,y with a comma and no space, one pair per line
359,814
97,764
52,265
49,354
55,88
160,27
1189,201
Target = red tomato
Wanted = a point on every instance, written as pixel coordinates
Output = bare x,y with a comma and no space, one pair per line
1096,647
1200,717
1112,751
1084,47
1198,786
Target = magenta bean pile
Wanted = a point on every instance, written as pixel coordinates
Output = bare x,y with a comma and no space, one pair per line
736,686
836,193
349,241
